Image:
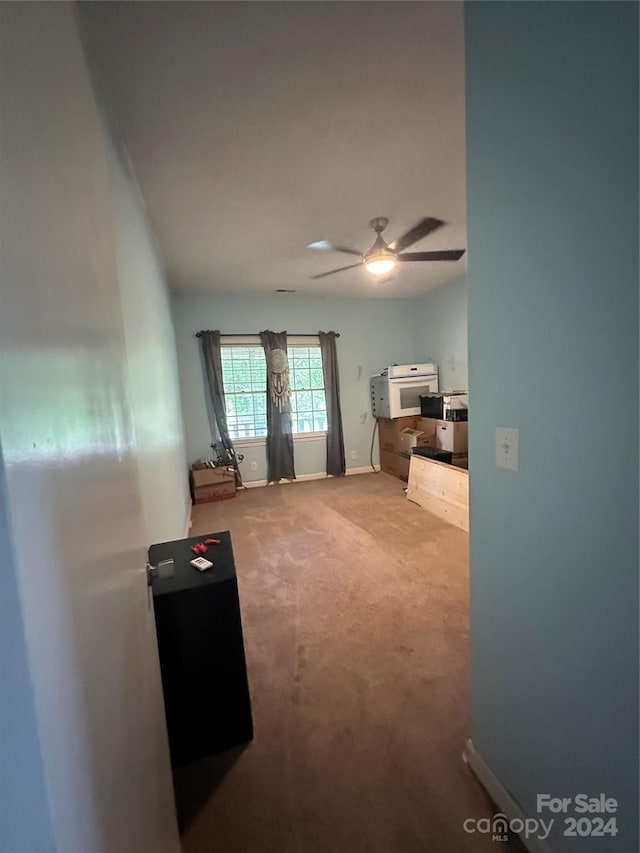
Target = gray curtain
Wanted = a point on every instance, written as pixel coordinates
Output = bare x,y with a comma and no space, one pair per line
336,464
213,370
279,434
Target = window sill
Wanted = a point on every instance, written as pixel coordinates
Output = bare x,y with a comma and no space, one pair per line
297,438
309,436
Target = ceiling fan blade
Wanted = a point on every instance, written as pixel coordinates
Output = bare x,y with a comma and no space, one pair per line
445,255
340,269
326,246
419,230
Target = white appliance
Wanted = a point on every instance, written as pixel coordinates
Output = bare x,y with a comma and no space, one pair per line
396,391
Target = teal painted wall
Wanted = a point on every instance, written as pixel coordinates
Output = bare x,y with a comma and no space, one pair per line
440,330
373,334
25,816
552,149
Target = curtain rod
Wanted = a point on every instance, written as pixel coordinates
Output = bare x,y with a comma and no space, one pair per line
255,335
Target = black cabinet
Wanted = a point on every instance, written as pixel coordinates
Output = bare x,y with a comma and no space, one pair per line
199,629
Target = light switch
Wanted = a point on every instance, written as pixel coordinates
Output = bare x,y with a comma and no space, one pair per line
507,441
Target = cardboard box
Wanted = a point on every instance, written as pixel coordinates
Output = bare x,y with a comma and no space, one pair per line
453,436
404,461
219,492
428,427
390,462
389,431
212,484
389,437
210,476
413,438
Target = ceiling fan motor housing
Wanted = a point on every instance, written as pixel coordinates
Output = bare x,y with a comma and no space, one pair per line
379,223
380,249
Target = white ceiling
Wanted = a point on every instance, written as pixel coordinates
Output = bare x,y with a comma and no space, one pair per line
256,128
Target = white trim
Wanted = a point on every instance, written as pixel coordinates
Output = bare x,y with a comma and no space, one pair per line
189,522
249,442
293,341
253,484
254,340
244,341
320,475
303,341
297,437
366,469
309,436
499,794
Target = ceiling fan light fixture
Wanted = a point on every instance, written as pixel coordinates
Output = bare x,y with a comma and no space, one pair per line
382,257
380,263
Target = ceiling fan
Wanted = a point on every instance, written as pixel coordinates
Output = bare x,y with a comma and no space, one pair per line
382,256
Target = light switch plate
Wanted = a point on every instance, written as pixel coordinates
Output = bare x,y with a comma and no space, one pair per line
507,448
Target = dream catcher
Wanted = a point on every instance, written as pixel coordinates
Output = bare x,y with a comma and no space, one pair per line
279,378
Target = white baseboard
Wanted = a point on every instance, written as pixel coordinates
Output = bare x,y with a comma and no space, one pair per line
320,475
366,470
499,794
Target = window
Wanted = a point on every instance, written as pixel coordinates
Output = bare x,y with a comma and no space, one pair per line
308,404
244,376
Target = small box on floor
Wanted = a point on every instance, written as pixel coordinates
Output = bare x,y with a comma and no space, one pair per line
212,484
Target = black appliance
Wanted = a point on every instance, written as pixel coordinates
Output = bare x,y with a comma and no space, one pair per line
456,415
434,453
434,406
431,406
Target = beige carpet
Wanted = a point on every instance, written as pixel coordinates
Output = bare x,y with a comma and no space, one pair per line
355,612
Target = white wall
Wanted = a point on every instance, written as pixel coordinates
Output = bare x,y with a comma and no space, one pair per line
373,334
69,428
440,329
151,356
552,145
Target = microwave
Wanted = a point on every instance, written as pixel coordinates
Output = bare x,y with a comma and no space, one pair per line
396,394
452,406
